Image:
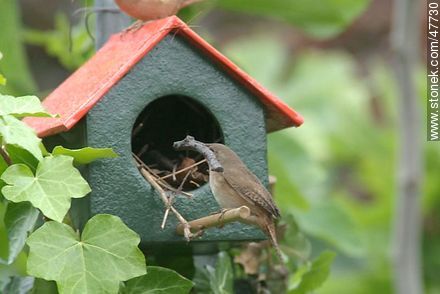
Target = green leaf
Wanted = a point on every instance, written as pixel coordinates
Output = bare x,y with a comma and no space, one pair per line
55,182
20,155
4,243
96,262
14,65
22,106
201,280
327,221
44,287
324,20
2,78
159,280
218,279
18,268
311,276
85,155
20,285
20,219
221,277
295,243
3,167
15,132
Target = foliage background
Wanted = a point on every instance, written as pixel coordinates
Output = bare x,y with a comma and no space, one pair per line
330,61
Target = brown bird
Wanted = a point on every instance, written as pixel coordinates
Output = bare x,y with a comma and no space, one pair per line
146,10
235,185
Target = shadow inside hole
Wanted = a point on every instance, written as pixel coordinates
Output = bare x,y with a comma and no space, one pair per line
169,119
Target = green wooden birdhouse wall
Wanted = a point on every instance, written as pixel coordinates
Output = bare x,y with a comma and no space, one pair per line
142,91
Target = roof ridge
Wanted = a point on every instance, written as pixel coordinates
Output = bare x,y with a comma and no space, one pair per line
89,83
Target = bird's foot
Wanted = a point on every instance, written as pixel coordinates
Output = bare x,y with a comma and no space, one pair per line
134,27
220,218
199,233
217,212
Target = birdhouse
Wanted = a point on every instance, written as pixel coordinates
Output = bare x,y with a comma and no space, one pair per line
138,94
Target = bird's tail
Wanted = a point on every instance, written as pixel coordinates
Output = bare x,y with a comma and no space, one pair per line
271,232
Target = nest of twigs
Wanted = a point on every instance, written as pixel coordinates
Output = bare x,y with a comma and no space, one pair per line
185,173
170,119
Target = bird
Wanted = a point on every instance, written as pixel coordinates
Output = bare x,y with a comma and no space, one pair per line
147,10
234,185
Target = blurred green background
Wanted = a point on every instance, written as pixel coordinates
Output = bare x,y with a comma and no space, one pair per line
330,60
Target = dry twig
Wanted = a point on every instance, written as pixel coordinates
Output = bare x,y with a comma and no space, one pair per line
158,179
186,227
170,200
189,143
183,169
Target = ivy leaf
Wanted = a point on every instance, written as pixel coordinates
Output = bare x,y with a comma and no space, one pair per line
311,276
158,280
85,155
3,166
105,254
15,65
221,278
294,243
15,132
20,155
4,246
328,221
2,78
44,287
218,279
20,219
22,106
20,285
50,189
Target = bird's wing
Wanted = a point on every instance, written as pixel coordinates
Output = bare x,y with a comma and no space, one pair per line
251,189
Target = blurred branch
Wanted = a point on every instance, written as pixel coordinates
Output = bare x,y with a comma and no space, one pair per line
407,227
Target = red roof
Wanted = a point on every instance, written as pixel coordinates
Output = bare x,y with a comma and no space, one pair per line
85,87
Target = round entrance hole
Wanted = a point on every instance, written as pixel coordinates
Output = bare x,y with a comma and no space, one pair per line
160,124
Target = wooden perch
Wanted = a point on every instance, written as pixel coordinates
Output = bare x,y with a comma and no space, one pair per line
189,143
216,220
